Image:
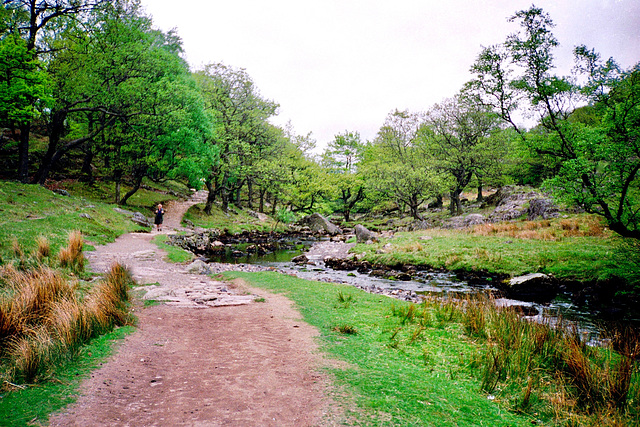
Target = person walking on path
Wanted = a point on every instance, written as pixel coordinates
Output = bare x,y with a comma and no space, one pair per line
159,217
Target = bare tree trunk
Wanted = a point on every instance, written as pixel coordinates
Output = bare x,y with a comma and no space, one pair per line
262,194
117,197
480,196
211,197
136,187
273,206
87,171
224,195
238,195
250,194
455,208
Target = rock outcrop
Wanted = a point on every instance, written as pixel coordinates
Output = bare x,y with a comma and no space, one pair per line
364,235
542,208
319,224
512,203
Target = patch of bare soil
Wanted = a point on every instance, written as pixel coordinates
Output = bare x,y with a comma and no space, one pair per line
226,361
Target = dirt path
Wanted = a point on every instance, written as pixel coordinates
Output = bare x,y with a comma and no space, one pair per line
210,356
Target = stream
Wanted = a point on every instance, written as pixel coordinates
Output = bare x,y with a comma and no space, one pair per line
440,284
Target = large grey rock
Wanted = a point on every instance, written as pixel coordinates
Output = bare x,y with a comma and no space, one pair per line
319,224
198,241
198,267
542,208
123,211
464,221
364,235
536,287
513,206
140,219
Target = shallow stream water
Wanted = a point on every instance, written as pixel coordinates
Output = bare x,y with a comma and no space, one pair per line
444,284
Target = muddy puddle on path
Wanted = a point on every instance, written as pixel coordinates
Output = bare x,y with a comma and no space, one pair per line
427,283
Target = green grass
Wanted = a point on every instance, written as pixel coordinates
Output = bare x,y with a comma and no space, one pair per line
235,221
144,200
33,405
395,372
174,254
29,211
519,250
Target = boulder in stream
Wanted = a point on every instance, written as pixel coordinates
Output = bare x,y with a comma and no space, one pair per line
319,224
536,287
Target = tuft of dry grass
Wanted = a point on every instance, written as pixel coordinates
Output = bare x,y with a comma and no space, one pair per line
30,354
34,293
544,229
43,248
71,256
16,248
107,304
43,319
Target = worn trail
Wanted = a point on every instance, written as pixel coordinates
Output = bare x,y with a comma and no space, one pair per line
208,356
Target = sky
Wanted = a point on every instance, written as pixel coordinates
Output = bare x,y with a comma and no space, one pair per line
344,65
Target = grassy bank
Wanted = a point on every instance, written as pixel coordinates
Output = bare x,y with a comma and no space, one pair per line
451,364
578,248
235,221
30,211
397,374
55,323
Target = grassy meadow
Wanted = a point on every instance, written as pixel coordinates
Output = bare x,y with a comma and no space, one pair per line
454,363
576,248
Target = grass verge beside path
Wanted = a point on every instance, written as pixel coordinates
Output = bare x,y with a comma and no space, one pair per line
33,405
174,254
397,373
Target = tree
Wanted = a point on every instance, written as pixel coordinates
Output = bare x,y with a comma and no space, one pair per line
23,84
340,158
459,143
395,165
597,162
243,134
30,19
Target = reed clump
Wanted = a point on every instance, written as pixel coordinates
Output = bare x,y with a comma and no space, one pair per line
45,317
536,363
536,367
72,256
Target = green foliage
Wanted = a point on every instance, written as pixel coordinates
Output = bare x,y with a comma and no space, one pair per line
459,141
24,87
593,152
341,158
285,216
395,166
242,134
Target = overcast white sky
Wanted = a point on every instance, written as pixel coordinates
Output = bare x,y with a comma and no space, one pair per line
336,65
